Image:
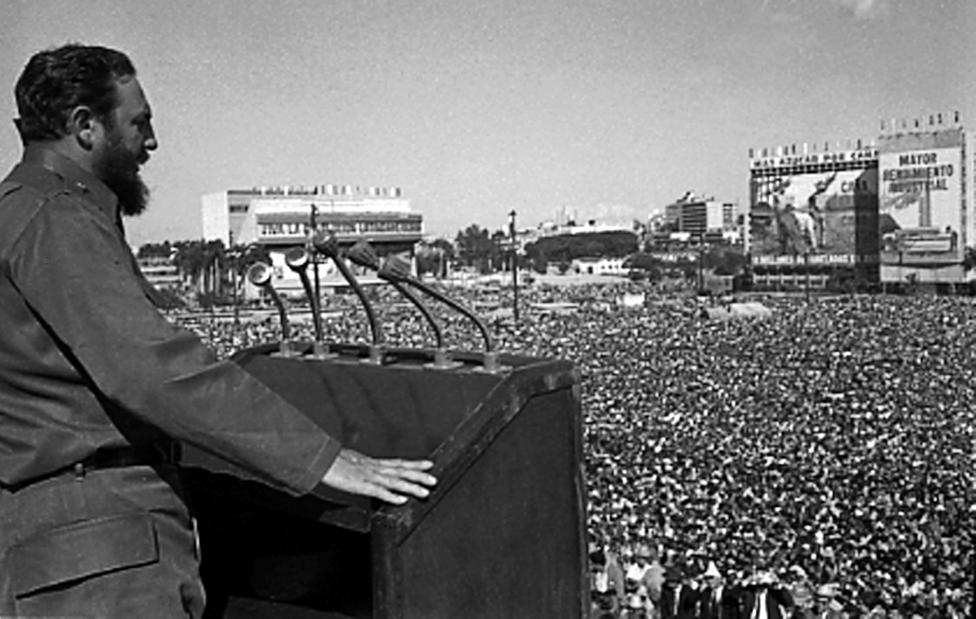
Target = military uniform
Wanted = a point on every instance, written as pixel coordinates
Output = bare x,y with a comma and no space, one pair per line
96,388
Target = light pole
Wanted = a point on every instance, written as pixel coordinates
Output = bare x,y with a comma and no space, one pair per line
313,225
235,263
806,271
701,262
515,291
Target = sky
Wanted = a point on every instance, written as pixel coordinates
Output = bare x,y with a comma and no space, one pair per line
610,109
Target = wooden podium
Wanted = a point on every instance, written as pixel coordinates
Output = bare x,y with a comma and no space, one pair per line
502,535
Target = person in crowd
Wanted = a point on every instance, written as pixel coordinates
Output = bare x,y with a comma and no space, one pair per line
638,605
827,605
679,597
763,597
716,600
801,591
653,579
616,574
603,590
635,569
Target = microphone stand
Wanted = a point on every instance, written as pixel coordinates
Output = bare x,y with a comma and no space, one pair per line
297,260
259,274
326,244
396,270
363,254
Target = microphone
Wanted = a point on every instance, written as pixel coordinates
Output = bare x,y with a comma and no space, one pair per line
362,253
395,269
326,244
259,274
297,260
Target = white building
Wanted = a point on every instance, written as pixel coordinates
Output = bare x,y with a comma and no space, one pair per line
699,215
281,218
599,266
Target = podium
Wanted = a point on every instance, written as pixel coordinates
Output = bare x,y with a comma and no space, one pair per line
501,535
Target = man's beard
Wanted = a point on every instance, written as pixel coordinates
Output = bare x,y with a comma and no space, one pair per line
119,170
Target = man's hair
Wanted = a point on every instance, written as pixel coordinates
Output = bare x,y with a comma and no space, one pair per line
56,81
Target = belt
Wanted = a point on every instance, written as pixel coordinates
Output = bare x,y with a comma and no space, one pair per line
114,458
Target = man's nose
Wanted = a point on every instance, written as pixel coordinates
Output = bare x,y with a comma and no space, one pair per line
150,142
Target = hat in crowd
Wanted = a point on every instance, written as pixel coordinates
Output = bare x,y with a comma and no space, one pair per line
765,577
712,571
827,591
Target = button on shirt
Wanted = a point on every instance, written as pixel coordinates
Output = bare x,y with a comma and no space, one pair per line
87,362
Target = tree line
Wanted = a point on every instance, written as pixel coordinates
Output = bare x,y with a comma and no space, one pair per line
209,269
487,252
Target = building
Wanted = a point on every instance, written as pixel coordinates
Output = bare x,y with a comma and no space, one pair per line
895,210
161,272
599,266
591,226
281,218
925,209
699,215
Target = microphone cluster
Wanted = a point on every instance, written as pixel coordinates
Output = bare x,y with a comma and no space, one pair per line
392,270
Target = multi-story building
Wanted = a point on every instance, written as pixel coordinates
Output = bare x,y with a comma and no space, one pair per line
281,218
698,215
160,272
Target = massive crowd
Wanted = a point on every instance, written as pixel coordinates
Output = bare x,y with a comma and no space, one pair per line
827,449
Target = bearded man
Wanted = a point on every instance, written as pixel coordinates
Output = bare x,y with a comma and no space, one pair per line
96,387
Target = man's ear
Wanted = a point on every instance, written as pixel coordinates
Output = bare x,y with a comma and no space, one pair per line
84,126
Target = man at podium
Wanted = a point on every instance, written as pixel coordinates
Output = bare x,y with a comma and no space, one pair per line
97,389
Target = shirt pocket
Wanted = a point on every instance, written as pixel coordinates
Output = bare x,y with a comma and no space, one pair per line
81,550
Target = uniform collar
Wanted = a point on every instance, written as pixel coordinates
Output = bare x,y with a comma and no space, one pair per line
74,178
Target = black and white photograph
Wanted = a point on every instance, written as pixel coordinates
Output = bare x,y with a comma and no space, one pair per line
582,309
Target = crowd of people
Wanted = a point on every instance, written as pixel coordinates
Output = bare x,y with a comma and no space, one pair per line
822,456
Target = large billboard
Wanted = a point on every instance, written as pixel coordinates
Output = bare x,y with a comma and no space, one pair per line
819,212
921,219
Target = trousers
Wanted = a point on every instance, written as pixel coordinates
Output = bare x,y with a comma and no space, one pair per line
106,543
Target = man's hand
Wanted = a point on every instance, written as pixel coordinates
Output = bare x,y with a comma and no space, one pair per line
389,480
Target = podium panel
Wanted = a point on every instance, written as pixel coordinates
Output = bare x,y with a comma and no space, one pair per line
502,534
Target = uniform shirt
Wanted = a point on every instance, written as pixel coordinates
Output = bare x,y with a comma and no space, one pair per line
87,362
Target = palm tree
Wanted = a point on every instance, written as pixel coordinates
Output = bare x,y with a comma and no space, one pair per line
189,261
214,262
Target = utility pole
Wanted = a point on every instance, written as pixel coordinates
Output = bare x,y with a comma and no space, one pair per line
701,262
515,291
806,271
313,217
235,264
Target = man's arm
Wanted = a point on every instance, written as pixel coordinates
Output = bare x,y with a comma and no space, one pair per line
71,269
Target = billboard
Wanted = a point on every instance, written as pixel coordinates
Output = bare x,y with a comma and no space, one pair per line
827,212
921,219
